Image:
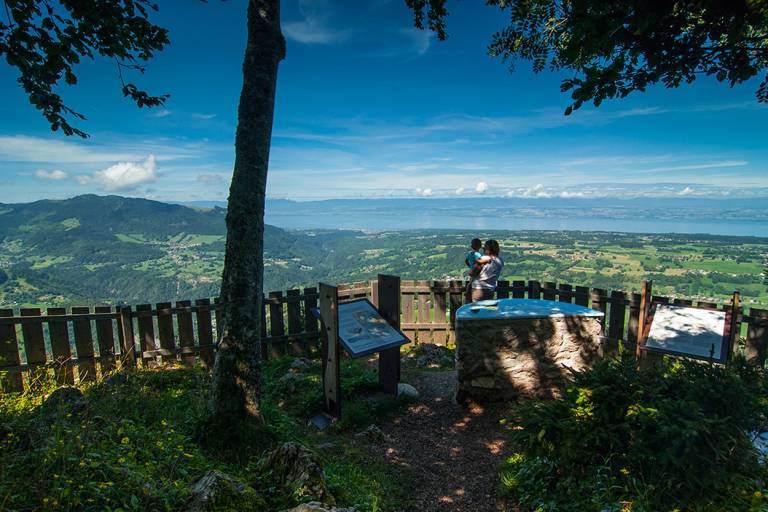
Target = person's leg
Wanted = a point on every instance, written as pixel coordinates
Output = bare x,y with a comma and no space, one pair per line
478,294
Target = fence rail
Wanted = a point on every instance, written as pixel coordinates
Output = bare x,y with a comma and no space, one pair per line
84,342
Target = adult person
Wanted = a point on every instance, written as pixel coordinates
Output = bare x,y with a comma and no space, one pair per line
486,272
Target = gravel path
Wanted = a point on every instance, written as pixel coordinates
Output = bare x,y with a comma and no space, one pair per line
453,452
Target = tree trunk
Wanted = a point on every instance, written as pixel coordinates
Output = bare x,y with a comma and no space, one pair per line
237,371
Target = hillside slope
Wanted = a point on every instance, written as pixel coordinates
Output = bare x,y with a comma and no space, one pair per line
122,249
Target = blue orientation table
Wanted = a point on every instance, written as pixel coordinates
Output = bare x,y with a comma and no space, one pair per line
522,308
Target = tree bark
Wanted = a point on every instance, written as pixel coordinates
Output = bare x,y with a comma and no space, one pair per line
237,370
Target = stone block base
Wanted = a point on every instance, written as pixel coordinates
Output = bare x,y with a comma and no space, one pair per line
499,359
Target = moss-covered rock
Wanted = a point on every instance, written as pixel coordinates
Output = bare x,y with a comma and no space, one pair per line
298,470
219,492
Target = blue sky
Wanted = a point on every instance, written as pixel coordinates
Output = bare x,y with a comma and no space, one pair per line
368,106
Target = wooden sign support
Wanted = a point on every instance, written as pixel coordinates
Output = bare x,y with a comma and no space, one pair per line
732,323
388,304
642,320
329,318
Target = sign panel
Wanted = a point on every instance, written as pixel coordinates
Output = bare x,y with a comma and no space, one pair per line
686,331
363,331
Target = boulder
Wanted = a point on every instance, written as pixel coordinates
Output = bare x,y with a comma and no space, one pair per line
301,363
218,491
297,469
407,390
316,506
117,378
68,398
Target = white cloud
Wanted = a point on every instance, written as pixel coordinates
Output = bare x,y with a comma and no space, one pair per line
314,28
211,179
420,40
481,187
460,191
686,191
198,115
163,112
44,150
424,192
124,176
55,175
415,167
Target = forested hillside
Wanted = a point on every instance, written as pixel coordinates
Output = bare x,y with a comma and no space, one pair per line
110,249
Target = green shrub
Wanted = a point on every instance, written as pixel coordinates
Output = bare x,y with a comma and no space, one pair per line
674,437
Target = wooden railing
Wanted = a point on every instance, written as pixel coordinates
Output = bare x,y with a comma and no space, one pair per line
85,342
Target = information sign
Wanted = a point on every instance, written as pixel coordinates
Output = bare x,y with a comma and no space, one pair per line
687,331
363,331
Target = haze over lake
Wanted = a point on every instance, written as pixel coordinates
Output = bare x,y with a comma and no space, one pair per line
742,217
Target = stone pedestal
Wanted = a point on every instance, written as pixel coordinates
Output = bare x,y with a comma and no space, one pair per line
513,357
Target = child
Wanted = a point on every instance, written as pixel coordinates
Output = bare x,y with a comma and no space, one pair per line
475,253
469,261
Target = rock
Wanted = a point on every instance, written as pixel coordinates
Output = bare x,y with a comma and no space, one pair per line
301,363
66,397
298,470
316,506
116,379
374,435
219,491
407,390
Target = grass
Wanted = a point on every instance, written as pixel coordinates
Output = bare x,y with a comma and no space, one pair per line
135,446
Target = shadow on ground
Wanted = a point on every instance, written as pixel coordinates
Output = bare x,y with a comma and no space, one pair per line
452,451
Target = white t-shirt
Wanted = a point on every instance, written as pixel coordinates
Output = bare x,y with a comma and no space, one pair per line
489,274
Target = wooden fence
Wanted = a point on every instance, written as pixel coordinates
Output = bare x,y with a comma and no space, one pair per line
84,342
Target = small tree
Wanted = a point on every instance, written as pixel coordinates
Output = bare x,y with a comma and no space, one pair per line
616,47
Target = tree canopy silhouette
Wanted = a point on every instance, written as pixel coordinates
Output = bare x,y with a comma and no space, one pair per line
44,39
616,47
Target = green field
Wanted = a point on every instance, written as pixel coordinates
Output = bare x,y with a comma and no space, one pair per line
72,251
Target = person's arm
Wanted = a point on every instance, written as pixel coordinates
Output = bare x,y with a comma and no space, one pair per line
479,264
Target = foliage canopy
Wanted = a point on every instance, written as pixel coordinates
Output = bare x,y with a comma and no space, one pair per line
617,47
44,39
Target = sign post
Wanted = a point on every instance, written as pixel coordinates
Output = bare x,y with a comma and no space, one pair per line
388,300
329,316
361,329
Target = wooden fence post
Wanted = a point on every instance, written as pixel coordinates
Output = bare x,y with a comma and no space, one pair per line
128,349
9,355
105,337
276,322
389,307
186,330
599,303
86,363
617,314
165,332
329,313
34,345
62,355
205,334
310,322
294,322
549,290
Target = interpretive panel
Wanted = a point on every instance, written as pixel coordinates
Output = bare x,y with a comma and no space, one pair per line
687,331
363,331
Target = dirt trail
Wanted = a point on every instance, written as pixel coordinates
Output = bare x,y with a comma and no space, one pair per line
453,451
